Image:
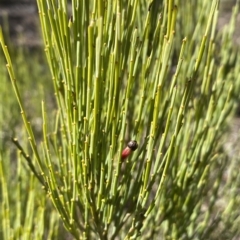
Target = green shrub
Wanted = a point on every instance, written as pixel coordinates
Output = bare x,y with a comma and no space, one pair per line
152,72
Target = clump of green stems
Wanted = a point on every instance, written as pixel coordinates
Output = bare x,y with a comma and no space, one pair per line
132,70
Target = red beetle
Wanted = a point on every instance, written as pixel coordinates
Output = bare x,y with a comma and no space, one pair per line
131,146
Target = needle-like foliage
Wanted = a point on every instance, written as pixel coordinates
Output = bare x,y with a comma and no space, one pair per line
158,72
